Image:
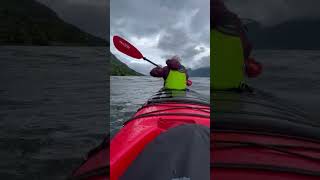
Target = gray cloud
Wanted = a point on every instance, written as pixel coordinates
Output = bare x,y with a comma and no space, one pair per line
178,41
172,27
91,16
271,12
202,61
174,40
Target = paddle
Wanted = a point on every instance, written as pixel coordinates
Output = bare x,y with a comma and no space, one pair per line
125,47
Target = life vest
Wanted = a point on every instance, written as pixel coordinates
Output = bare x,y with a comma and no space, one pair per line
227,60
176,80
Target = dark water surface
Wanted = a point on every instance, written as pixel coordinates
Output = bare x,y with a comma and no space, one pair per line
54,104
53,109
293,75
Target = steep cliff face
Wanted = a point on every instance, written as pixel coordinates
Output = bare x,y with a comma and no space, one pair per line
200,72
28,22
294,34
120,69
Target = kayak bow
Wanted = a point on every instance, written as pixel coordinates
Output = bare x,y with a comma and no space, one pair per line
254,136
144,147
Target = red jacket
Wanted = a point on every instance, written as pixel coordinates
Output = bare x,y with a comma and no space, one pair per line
164,72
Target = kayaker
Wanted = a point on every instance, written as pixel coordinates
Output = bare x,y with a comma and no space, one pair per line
230,57
174,74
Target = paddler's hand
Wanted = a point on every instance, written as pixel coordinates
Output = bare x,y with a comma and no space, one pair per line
189,82
253,68
157,72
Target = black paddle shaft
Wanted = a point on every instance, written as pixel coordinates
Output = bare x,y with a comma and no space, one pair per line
151,62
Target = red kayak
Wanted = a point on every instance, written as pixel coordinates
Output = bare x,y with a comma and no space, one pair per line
167,138
150,141
252,137
96,165
256,137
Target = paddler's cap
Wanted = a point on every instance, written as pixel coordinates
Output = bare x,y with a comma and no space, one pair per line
175,57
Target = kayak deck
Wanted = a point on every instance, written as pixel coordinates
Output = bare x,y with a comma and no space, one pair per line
187,97
255,136
164,111
250,155
260,112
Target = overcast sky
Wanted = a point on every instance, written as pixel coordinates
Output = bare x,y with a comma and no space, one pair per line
91,16
161,29
271,12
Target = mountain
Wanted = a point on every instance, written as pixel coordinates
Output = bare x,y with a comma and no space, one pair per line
201,72
28,22
118,68
294,34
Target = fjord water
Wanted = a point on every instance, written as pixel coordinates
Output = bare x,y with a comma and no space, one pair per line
53,109
293,76
54,104
129,93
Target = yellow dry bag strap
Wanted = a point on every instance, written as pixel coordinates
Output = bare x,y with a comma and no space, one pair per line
176,80
226,61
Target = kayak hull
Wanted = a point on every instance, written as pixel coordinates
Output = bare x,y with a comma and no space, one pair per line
96,164
253,136
161,113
